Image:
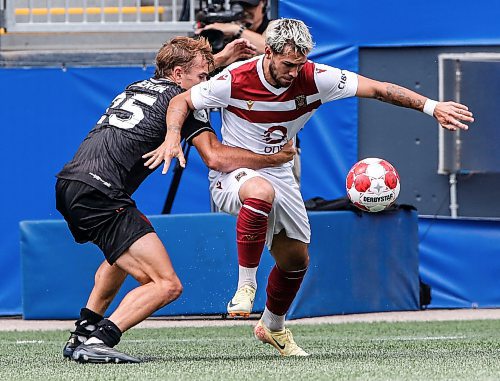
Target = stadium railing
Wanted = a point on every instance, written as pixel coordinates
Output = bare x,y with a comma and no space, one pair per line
96,15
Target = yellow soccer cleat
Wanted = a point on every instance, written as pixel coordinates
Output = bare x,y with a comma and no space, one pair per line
242,302
281,340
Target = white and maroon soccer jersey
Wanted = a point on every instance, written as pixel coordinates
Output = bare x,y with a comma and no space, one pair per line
262,118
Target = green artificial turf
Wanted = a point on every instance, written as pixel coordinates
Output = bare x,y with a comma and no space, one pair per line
467,350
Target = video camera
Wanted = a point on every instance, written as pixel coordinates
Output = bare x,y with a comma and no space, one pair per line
215,11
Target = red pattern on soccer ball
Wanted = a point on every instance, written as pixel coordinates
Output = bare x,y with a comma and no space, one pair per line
391,180
362,183
360,168
350,179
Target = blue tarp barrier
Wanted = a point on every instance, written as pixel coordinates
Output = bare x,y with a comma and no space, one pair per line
460,260
397,23
358,264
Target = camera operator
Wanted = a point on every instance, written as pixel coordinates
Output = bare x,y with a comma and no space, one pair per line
251,26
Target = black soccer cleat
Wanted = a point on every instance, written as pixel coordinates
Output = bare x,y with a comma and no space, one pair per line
73,342
101,354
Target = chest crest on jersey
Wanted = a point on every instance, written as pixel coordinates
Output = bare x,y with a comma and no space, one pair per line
250,104
300,101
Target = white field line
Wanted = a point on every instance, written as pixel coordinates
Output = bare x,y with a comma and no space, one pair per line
202,340
14,324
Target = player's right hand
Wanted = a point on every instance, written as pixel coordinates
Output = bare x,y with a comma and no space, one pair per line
450,115
169,149
285,155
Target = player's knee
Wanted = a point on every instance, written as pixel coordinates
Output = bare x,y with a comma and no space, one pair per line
298,262
170,290
259,188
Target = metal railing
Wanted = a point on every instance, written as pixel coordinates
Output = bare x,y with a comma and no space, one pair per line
97,15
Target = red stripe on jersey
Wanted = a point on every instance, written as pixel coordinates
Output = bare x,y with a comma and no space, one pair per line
246,84
273,116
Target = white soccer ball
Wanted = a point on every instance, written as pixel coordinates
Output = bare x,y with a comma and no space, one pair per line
372,184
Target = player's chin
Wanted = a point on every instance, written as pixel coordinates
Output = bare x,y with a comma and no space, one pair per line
285,82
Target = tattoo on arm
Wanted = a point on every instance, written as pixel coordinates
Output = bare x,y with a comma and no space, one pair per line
174,129
401,97
181,112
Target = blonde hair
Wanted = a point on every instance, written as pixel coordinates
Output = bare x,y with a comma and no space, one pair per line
181,51
284,32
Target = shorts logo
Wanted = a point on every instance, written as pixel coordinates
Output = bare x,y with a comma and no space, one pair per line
250,104
300,101
275,134
201,115
218,185
239,175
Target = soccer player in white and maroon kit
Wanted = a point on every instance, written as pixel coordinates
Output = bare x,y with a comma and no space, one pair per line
265,101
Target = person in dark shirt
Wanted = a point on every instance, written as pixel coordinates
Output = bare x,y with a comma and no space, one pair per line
94,189
251,27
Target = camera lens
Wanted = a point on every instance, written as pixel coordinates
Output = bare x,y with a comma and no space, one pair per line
215,38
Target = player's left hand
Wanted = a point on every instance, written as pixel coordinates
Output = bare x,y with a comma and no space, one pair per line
169,149
451,114
240,49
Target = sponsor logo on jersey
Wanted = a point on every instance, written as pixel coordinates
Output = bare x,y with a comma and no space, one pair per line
99,178
201,115
275,135
239,175
300,101
343,80
250,104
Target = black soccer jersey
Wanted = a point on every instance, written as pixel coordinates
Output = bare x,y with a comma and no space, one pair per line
110,157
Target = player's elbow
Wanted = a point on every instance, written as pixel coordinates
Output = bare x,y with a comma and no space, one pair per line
218,164
213,161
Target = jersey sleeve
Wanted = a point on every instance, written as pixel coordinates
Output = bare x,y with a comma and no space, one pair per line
196,123
334,83
213,93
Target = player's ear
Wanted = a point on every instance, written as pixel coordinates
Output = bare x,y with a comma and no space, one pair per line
267,52
177,74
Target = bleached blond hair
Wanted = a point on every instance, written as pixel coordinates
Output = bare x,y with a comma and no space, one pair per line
284,32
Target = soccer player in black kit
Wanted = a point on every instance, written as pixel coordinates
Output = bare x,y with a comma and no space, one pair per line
93,193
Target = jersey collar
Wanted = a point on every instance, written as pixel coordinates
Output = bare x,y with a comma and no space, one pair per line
267,85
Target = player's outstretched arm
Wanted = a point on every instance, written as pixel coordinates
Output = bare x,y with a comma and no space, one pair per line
178,110
222,158
450,115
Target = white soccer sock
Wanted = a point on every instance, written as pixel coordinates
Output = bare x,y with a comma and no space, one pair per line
94,340
247,276
272,321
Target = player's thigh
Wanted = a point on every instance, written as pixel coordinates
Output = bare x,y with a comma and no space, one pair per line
225,188
288,213
147,261
290,254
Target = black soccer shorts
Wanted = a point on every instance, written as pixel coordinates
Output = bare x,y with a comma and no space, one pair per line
113,224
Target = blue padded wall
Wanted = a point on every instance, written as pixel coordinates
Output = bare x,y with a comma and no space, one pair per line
464,269
349,256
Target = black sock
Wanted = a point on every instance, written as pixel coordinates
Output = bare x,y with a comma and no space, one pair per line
107,332
87,322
